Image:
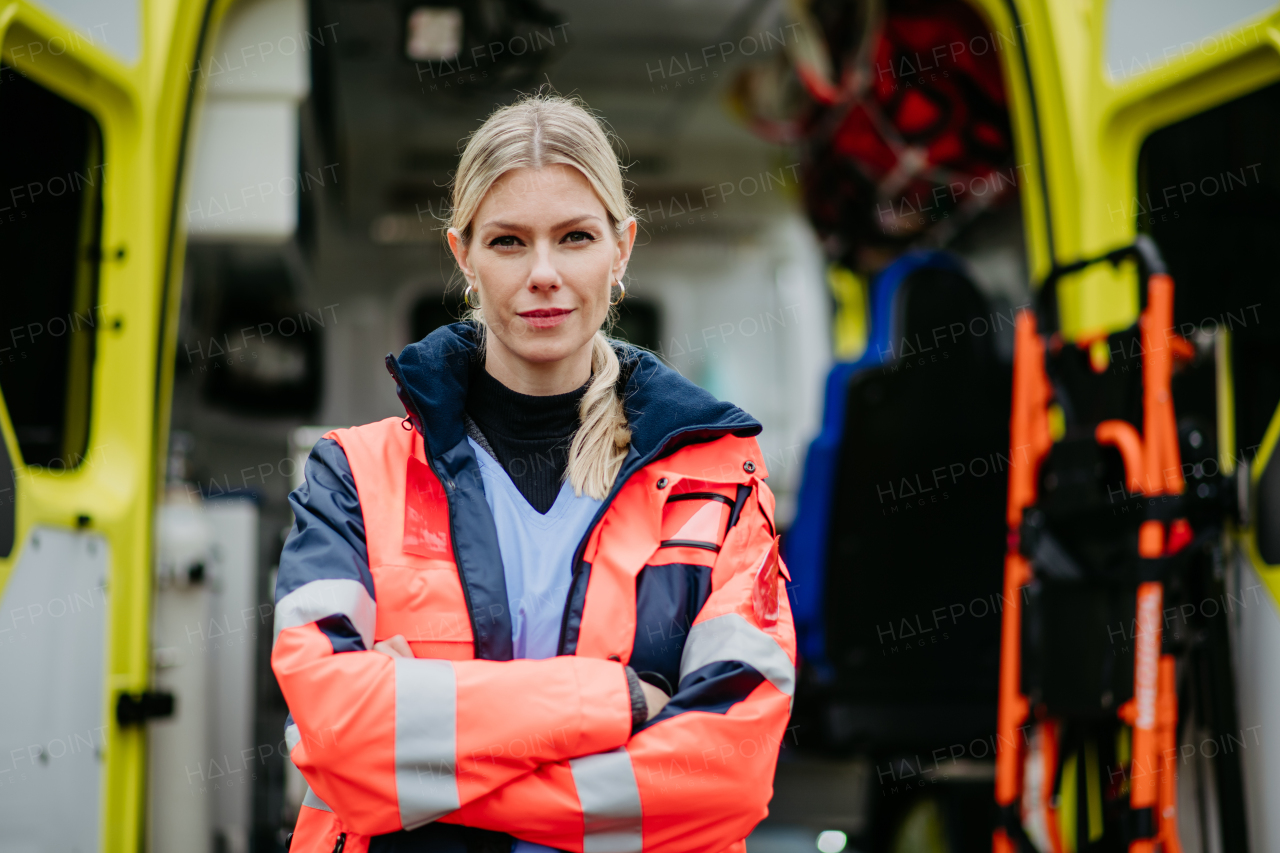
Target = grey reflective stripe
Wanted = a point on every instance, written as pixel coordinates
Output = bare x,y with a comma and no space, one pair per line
292,736
732,638
610,801
426,740
310,800
330,597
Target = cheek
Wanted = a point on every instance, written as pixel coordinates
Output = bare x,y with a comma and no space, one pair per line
590,277
597,309
594,291
499,278
587,266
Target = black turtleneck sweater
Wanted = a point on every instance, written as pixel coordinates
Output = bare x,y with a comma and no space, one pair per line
528,435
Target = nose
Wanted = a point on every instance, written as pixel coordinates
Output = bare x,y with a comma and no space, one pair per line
544,276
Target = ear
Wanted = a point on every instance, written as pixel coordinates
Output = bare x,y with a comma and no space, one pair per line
626,242
461,254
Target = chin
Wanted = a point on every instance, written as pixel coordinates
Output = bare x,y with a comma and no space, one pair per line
548,353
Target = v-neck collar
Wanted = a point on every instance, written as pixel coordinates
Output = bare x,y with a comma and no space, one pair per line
564,498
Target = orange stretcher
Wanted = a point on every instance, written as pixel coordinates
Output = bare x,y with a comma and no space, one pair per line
1152,468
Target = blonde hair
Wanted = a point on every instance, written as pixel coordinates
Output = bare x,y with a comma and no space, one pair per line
536,131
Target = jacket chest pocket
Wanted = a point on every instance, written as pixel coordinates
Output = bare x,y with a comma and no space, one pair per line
696,519
424,602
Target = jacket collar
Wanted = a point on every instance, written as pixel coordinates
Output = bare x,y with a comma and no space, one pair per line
664,410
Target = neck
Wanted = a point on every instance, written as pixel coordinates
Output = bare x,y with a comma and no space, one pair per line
537,378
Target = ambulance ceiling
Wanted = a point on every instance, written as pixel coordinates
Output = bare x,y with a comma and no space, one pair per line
393,125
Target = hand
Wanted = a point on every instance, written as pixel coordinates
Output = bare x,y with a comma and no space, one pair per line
653,697
395,647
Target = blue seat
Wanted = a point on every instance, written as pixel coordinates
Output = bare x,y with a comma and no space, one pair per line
806,543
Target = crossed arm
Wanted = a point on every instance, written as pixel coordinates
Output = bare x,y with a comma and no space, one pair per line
654,698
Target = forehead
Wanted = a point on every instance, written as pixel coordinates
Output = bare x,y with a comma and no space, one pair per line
553,191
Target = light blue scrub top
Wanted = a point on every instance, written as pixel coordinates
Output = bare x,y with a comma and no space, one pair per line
537,554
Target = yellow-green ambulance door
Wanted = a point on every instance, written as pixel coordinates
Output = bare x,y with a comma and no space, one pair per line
1162,117
94,104
1192,124
1256,614
1263,530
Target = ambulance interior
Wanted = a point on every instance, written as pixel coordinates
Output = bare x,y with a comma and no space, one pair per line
320,157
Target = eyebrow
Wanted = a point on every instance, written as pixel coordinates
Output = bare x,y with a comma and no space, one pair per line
511,226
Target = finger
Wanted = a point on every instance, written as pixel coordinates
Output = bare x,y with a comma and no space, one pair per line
394,647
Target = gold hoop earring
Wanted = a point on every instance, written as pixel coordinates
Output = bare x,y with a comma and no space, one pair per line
466,297
622,287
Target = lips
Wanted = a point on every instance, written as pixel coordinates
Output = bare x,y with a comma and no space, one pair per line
545,318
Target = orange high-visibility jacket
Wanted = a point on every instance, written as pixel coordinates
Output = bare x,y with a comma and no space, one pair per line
461,748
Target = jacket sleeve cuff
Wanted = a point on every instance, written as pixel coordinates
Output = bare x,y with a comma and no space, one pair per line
639,705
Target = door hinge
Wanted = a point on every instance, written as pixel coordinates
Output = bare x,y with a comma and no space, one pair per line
136,708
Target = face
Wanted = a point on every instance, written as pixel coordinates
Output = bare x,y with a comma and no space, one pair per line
542,257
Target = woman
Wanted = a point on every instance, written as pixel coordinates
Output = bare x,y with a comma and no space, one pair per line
544,608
